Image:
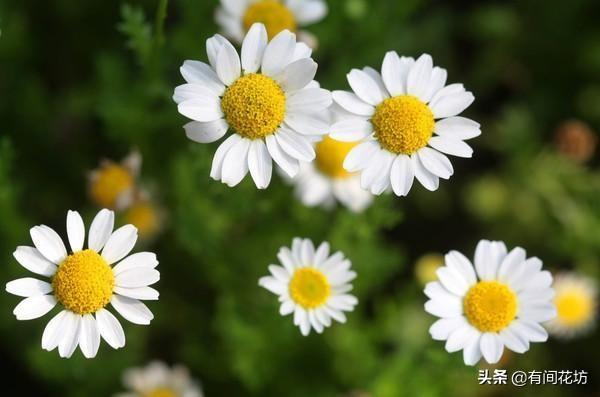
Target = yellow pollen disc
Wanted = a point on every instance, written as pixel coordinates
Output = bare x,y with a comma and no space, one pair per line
143,216
274,15
574,308
331,155
161,392
490,306
110,182
254,106
83,282
309,288
403,124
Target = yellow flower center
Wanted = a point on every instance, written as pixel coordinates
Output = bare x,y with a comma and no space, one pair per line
331,155
161,392
574,308
490,306
274,15
110,182
254,106
143,216
427,266
83,282
309,287
403,124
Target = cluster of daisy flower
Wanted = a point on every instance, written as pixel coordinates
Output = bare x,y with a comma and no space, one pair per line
395,125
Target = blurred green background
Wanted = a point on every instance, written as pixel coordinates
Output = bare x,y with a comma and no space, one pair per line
82,81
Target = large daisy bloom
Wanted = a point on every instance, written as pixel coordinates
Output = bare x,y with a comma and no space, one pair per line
84,282
268,100
325,181
406,119
500,302
576,303
158,380
235,17
311,284
113,185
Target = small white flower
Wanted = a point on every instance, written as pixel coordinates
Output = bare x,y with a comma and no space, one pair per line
113,185
158,380
576,303
395,115
235,17
268,100
500,302
84,283
312,284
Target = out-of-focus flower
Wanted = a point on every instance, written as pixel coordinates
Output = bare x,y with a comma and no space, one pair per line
394,117
312,284
575,140
146,216
497,303
426,267
112,185
235,17
273,113
326,181
84,283
158,380
576,304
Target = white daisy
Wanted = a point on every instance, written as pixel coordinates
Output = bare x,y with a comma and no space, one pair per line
235,17
497,303
395,114
272,112
576,304
158,380
311,284
113,185
84,283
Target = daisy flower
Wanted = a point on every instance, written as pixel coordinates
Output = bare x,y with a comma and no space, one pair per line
84,282
112,185
576,304
311,284
235,17
325,181
146,215
268,100
497,303
395,115
158,380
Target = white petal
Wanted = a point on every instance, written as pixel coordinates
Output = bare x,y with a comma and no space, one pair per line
222,150
361,156
460,338
27,287
75,231
194,91
512,263
34,307
295,145
206,132
310,11
352,103
373,170
234,7
202,108
435,162
402,175
514,340
235,164
447,90
442,328
364,87
297,74
101,229
253,48
301,50
351,129
110,329
89,336
452,280
451,146
308,99
444,309
488,256
272,284
280,273
143,293
228,64
537,312
137,277
132,310
70,337
279,53
491,347
48,243
472,351
458,128
529,330
286,308
391,72
120,243
54,331
314,322
145,260
32,260
427,179
418,79
437,82
195,72
374,74
381,182
306,124
451,105
213,45
462,266
287,163
260,164
435,290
